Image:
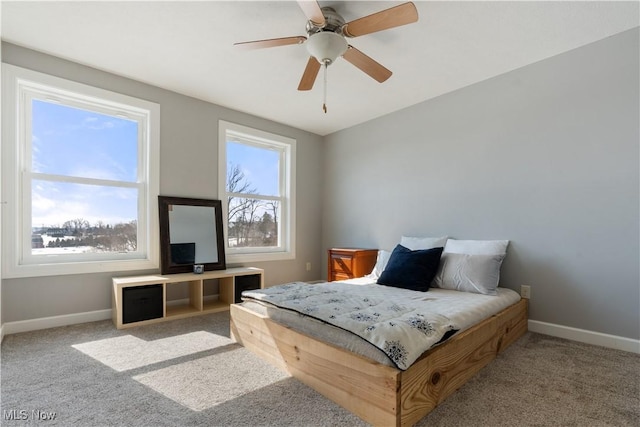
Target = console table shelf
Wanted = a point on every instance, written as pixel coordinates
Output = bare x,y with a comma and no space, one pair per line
142,300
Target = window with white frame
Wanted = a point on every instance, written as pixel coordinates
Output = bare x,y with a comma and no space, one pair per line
80,177
257,189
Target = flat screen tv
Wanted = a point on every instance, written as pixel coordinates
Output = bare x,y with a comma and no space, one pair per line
183,253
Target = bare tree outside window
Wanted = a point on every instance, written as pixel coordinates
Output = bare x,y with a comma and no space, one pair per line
253,221
257,184
78,233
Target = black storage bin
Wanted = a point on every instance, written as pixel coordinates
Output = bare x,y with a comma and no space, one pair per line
141,303
244,283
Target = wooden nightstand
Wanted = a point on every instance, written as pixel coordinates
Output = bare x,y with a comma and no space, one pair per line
348,263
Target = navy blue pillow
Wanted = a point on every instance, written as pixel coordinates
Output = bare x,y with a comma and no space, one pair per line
409,269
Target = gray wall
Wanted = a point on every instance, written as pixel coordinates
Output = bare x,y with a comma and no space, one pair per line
545,156
188,168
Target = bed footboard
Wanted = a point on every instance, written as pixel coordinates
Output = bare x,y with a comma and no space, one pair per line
444,369
379,394
364,387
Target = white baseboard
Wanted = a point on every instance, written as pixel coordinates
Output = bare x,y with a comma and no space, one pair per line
588,337
51,322
72,319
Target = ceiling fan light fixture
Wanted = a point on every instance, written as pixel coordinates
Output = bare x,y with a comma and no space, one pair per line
326,46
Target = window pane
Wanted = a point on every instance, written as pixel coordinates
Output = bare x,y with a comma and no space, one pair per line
75,142
78,218
253,223
252,170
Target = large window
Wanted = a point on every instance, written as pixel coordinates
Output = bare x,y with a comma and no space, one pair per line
79,177
257,171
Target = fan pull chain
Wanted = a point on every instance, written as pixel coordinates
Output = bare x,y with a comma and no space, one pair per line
324,103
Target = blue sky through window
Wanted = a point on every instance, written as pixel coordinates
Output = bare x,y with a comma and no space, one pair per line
261,166
76,142
54,203
81,143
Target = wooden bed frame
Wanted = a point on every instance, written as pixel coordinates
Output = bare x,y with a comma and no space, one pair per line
379,394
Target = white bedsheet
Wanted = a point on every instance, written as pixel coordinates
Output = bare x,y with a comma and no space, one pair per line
463,308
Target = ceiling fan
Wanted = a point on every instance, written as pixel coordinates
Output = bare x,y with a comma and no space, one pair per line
326,39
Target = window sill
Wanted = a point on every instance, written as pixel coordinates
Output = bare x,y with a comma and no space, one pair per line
61,269
259,257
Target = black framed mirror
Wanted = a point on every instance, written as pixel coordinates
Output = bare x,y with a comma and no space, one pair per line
190,234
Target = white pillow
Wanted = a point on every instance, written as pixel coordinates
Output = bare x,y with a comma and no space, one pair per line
469,273
416,243
477,247
381,264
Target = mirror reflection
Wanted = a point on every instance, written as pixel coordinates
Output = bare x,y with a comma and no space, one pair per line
190,234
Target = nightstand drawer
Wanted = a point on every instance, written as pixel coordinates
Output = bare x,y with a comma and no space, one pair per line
341,264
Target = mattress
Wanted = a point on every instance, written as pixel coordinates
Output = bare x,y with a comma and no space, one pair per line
463,308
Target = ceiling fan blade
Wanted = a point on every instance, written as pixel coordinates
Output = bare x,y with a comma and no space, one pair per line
259,44
403,14
310,74
312,11
366,64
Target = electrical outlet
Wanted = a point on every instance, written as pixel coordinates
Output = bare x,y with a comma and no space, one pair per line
525,291
308,266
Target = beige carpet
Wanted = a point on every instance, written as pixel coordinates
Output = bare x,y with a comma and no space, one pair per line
189,373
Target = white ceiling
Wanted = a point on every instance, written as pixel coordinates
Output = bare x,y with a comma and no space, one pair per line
187,47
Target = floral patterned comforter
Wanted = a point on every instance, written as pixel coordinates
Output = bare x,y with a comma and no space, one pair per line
401,323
